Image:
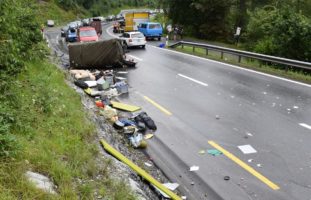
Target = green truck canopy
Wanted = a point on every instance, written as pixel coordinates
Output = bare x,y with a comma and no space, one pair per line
96,55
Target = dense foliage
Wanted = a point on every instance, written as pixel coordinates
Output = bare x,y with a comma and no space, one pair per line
20,39
275,27
100,7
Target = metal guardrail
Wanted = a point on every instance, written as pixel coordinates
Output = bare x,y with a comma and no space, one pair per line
246,54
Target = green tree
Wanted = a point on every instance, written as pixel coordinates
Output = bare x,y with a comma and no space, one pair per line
280,32
202,18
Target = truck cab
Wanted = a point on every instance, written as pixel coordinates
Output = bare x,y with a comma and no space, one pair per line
151,30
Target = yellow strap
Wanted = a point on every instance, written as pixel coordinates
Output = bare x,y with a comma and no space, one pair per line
140,171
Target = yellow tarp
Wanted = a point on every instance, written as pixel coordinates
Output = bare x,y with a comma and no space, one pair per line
123,106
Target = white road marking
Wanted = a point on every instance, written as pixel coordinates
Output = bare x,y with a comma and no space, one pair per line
233,66
191,79
135,57
305,125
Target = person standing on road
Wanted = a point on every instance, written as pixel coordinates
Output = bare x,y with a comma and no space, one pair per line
181,31
175,32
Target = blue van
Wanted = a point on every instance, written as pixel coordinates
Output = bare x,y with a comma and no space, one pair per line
151,30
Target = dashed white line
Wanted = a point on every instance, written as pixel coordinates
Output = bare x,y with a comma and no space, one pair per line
139,59
305,125
233,66
192,79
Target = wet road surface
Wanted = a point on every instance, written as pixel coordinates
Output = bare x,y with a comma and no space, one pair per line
200,104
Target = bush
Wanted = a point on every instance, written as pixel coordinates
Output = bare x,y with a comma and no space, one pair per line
280,32
8,143
20,39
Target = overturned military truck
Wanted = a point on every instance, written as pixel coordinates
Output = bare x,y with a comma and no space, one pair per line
98,55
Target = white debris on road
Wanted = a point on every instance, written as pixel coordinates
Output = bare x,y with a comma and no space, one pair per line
171,186
247,149
194,168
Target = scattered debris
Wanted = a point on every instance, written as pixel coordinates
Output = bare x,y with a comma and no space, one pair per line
108,112
295,107
259,165
171,186
214,152
148,164
91,83
227,178
264,93
217,117
122,72
250,160
247,149
248,135
121,87
138,170
41,182
194,168
202,152
123,106
183,197
144,118
162,193
138,141
192,183
148,136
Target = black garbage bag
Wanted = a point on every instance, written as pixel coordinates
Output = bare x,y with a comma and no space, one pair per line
143,117
81,84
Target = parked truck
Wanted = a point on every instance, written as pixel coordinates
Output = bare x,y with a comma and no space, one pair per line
133,19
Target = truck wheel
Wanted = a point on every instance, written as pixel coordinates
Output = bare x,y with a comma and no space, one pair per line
159,38
143,46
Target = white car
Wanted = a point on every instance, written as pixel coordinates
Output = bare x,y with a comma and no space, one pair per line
134,39
50,23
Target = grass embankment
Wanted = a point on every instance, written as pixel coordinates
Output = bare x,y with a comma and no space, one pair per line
56,139
248,63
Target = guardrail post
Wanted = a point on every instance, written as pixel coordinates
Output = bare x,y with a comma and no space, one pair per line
240,57
182,46
222,55
193,49
206,51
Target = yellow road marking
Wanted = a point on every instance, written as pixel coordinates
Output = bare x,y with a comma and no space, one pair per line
245,166
158,106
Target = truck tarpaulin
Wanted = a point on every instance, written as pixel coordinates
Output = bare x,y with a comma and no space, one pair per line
96,55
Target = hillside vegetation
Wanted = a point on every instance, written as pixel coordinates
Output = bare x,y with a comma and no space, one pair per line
43,127
274,27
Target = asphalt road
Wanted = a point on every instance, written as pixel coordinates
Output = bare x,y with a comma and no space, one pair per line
204,101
